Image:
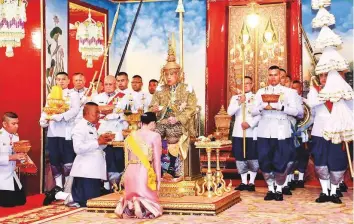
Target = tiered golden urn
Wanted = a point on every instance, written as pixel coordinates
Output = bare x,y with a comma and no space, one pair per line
55,102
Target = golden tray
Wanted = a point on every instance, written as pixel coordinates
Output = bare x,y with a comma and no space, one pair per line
55,103
53,110
117,143
212,144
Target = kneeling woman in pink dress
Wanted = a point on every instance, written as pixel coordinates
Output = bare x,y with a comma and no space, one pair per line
142,175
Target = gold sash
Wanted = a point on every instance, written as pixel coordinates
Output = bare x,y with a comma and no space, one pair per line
137,151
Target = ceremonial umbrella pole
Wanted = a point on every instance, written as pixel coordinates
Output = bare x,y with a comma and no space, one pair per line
349,160
244,40
115,20
180,11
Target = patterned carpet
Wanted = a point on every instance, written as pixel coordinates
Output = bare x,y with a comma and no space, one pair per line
298,208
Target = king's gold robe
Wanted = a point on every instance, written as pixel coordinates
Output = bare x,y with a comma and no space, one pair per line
181,104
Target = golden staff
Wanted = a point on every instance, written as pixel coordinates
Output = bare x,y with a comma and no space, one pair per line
115,20
92,83
349,159
244,39
180,11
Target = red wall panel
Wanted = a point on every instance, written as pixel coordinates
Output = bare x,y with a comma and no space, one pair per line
20,88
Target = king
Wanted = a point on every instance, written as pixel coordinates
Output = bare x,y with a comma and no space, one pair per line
174,104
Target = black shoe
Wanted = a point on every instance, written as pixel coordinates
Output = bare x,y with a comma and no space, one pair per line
171,172
343,187
104,191
269,196
242,187
339,193
300,184
278,196
50,195
322,198
251,187
335,199
286,191
291,185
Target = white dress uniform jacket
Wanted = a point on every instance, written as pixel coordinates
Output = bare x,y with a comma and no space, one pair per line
90,158
236,109
113,122
83,100
320,112
275,123
63,128
299,103
143,100
7,168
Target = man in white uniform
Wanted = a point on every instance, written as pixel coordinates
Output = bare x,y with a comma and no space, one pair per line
274,141
79,82
89,167
142,99
248,164
59,143
112,122
11,190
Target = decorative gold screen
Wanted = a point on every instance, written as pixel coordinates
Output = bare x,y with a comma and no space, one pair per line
255,66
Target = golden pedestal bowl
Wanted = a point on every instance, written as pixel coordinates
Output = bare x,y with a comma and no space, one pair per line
270,98
22,146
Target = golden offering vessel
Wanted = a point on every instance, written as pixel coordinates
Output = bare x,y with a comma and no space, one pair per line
106,109
22,146
222,123
133,119
27,166
55,102
270,98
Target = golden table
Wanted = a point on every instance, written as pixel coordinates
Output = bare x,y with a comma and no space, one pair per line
213,185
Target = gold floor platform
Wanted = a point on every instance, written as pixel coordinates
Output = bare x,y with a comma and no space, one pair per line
187,205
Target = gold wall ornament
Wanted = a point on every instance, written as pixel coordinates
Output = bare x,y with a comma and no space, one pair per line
269,35
271,47
255,65
12,24
90,36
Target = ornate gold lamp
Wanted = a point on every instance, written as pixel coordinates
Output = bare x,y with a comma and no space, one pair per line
12,24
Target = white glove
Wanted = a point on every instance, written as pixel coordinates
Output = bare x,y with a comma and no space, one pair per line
121,117
57,117
264,105
43,123
112,116
276,106
83,100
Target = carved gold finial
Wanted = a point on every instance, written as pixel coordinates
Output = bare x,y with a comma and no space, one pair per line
222,123
222,111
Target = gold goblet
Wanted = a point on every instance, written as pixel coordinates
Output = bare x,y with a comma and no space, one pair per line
270,98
